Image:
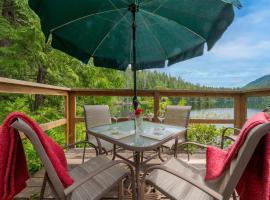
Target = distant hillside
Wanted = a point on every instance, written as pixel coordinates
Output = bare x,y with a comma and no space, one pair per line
262,82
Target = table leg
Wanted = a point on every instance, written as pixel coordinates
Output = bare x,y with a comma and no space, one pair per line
137,159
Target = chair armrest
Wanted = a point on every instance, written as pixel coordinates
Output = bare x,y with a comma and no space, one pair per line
192,143
230,128
75,185
223,136
186,178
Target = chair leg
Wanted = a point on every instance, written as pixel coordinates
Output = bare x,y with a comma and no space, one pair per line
96,149
188,156
159,155
43,187
120,190
84,148
114,152
141,156
142,190
104,151
175,147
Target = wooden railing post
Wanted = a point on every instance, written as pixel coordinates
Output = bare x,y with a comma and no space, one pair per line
71,118
156,105
240,110
67,117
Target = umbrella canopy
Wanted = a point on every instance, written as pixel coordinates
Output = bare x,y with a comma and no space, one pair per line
145,33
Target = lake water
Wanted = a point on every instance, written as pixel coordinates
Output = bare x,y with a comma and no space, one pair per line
218,113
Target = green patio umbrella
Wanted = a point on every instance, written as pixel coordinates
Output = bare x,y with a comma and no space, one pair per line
143,33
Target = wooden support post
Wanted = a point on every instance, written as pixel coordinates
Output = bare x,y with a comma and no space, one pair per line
71,118
156,105
67,118
240,110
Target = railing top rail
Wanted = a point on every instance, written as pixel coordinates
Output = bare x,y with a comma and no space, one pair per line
163,92
32,84
12,86
17,86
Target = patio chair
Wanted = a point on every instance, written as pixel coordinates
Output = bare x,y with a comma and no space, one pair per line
178,116
179,180
92,179
97,115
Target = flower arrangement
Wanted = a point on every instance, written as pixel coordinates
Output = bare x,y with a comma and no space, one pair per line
138,112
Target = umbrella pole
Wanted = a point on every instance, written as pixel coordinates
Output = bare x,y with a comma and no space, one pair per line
133,9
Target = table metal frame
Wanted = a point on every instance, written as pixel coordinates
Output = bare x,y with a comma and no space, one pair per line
138,151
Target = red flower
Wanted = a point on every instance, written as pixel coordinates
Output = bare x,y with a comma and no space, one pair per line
138,112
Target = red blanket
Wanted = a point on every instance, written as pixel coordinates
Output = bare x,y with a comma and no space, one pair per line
13,167
255,182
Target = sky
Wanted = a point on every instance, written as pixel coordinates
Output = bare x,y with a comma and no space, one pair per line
239,57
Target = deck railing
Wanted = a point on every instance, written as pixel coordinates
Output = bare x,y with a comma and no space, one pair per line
70,95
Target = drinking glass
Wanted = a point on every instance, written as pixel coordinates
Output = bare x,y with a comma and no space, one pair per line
161,118
116,117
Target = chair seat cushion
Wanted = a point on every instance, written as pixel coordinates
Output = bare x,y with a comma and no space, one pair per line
99,185
174,187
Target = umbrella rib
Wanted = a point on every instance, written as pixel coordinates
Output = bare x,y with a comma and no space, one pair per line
83,17
165,52
147,2
188,29
165,1
108,34
117,9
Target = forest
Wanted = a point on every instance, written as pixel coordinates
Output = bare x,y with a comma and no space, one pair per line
24,55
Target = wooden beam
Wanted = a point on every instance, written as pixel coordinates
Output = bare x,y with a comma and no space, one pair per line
156,106
53,124
110,92
71,117
211,121
66,100
129,92
240,110
23,87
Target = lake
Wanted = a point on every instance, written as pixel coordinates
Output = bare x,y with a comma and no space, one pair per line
218,113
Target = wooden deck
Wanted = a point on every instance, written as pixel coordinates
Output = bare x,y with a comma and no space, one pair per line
74,158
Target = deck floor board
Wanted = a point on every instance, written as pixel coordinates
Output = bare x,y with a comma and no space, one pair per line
74,157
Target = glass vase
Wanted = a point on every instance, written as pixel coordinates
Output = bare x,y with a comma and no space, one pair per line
138,124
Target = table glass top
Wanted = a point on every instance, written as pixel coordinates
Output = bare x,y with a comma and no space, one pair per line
150,134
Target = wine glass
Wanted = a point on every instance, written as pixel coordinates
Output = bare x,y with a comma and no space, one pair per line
116,117
161,117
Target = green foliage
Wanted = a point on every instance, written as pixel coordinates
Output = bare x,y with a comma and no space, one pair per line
206,134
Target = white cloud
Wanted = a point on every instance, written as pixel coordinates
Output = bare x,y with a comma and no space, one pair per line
242,48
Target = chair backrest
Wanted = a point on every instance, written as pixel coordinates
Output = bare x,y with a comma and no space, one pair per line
96,115
177,115
230,178
58,187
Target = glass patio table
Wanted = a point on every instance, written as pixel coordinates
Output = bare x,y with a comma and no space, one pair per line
150,136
